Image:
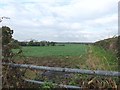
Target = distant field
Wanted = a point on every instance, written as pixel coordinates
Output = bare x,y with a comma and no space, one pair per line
67,50
71,55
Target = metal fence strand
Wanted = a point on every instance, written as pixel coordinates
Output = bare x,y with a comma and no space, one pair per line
61,86
68,70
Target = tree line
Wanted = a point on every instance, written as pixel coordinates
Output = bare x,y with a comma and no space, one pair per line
33,43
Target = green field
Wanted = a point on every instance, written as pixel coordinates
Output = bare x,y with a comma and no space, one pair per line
67,50
71,55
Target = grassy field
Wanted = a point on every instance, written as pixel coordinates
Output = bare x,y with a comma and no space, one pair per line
71,56
67,50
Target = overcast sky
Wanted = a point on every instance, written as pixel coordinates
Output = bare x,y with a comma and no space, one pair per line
61,20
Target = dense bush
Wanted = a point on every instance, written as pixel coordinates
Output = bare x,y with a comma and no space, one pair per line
12,77
6,43
109,44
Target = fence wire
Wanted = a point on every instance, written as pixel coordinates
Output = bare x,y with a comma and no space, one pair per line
68,70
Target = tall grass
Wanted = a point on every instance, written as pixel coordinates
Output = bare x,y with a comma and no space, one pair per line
107,58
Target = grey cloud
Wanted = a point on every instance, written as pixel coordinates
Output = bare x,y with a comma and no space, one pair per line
60,21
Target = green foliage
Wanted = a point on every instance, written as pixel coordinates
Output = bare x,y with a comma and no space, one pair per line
11,76
109,44
15,44
31,43
118,53
6,43
107,57
6,35
36,43
72,82
47,86
52,43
